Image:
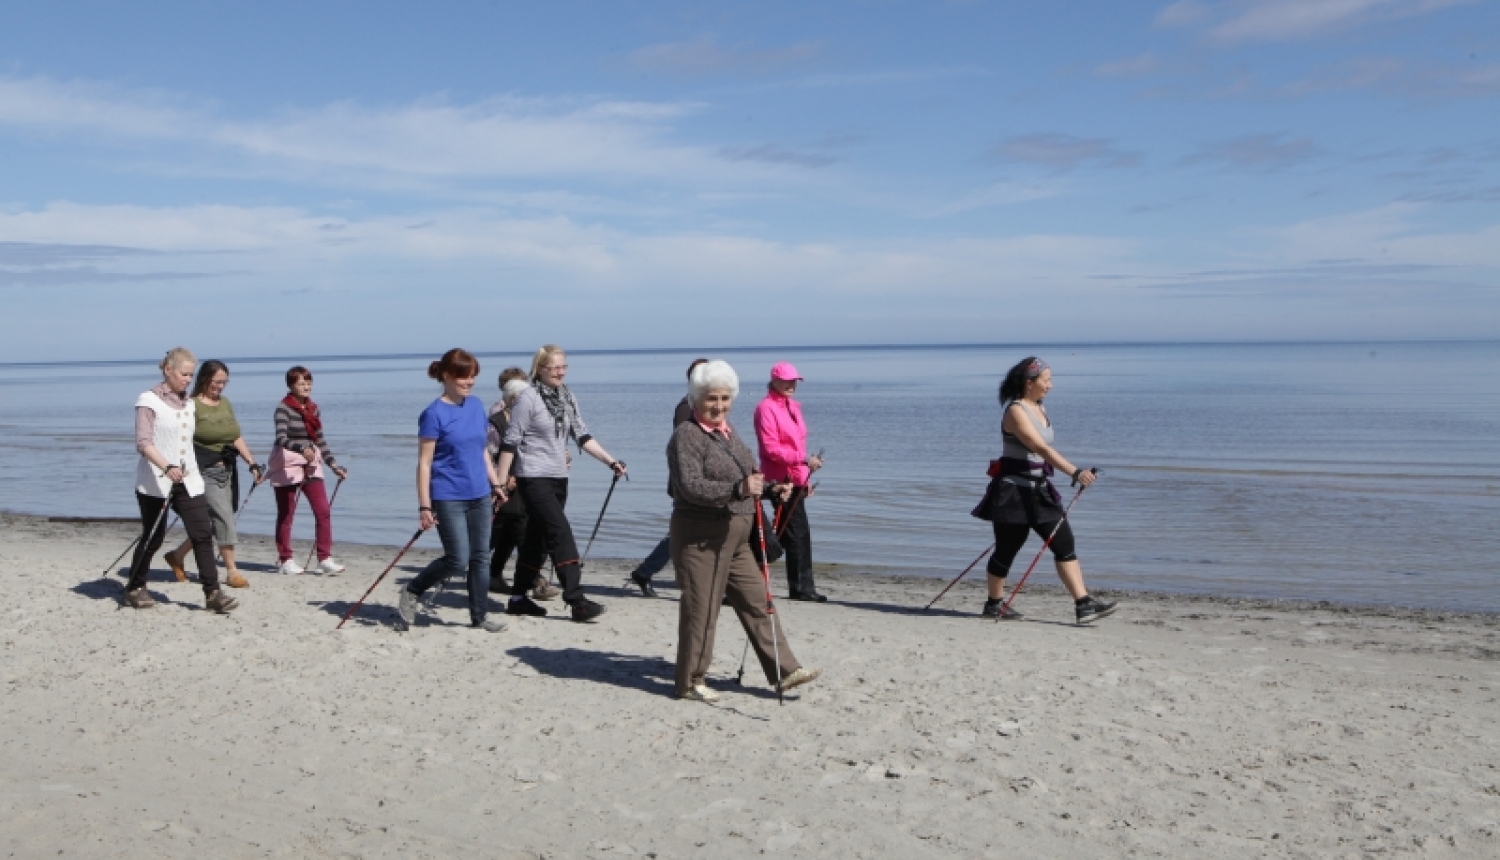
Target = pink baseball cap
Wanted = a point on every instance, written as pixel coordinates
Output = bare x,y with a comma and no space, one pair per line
785,371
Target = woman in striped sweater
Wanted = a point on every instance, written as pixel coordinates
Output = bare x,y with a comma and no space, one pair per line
297,462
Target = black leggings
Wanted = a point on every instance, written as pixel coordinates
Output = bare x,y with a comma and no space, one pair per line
1010,537
200,529
547,534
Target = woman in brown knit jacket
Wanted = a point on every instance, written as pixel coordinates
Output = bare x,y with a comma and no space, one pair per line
715,486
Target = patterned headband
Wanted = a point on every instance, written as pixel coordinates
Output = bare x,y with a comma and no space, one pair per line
1036,367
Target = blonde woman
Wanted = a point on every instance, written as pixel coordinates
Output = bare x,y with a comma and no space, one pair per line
167,475
542,420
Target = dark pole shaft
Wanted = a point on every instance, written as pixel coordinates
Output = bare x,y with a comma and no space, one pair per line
600,520
960,576
360,602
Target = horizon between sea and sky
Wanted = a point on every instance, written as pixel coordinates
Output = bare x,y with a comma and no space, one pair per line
351,178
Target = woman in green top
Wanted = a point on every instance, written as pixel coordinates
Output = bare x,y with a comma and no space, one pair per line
216,442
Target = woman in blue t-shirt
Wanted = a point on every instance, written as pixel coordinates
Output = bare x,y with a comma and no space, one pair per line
455,483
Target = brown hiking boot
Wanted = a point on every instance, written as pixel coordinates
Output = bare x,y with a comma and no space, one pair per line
175,562
220,602
139,599
234,580
545,591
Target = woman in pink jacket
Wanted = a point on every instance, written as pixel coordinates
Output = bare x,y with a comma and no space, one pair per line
783,458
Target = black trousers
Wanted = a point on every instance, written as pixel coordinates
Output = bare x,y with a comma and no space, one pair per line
548,535
506,534
796,539
200,529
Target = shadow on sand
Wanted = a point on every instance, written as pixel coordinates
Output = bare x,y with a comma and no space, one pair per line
652,675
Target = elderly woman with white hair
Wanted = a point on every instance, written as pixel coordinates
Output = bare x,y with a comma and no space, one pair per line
715,487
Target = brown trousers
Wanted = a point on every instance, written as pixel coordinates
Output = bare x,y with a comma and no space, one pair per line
712,557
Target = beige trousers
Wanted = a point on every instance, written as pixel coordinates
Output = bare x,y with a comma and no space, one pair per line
713,558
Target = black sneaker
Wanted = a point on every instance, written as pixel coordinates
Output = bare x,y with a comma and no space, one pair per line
586,610
525,606
1093,610
644,586
994,609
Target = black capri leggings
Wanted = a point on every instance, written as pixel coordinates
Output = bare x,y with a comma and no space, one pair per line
1010,537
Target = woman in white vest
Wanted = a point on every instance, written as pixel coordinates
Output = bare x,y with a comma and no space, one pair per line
168,475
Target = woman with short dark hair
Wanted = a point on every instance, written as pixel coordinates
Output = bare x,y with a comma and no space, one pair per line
1021,498
296,468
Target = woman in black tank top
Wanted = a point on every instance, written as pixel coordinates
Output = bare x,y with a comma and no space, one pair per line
1021,498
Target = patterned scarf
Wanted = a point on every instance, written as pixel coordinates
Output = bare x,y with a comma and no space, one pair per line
564,408
309,412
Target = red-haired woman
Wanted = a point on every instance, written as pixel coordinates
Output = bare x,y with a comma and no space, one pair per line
296,467
455,485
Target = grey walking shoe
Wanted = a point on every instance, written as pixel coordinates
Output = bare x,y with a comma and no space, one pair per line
1092,609
490,625
545,592
407,608
220,602
139,599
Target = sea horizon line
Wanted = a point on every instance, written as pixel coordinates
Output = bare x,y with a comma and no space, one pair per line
676,350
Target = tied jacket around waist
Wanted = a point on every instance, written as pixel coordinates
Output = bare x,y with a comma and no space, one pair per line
704,474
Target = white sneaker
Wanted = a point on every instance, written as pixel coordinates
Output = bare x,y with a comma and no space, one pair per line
802,676
289,567
700,693
330,566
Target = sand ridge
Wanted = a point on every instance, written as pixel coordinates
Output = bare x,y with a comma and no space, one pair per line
1181,727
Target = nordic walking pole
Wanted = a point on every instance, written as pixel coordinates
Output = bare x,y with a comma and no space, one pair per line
765,574
783,522
739,678
960,576
388,567
314,547
600,520
166,503
246,502
1017,590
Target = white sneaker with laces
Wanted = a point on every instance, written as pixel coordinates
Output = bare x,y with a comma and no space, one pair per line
289,567
700,693
331,565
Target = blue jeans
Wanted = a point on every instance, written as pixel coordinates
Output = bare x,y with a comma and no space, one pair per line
653,563
464,528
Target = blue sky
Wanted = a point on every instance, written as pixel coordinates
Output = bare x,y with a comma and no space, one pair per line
314,178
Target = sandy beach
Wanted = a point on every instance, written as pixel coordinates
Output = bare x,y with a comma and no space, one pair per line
1182,727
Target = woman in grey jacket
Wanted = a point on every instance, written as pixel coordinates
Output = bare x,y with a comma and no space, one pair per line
715,487
542,421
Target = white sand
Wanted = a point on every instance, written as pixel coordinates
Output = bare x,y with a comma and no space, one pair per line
1179,728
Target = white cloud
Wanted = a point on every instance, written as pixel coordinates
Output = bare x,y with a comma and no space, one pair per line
273,239
1181,14
1389,235
1282,20
503,137
1131,67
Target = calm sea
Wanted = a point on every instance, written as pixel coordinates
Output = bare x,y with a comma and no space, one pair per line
1350,472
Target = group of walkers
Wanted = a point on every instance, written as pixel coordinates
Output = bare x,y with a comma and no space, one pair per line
493,482
188,443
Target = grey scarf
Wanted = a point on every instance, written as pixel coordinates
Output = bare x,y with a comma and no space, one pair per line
562,406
